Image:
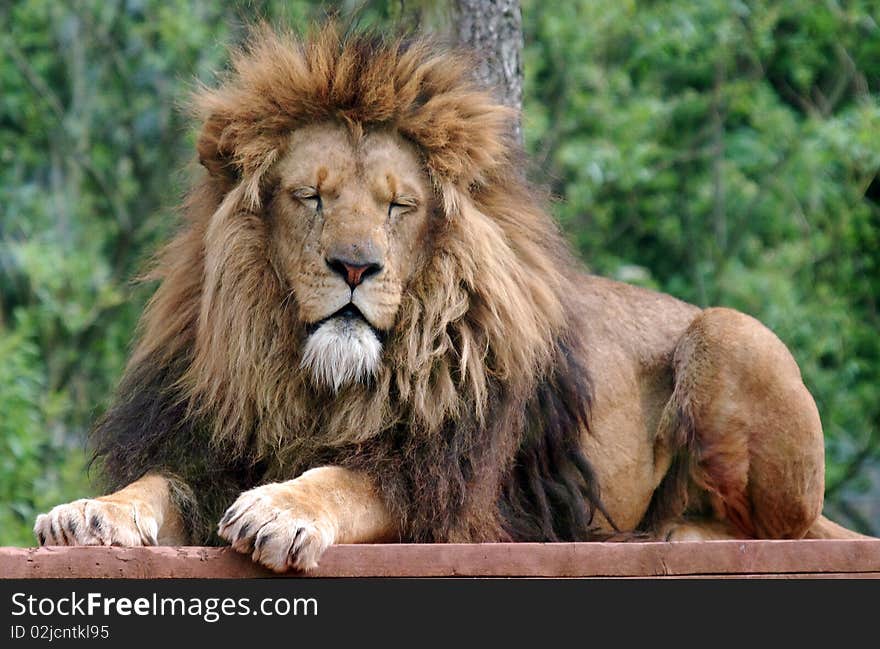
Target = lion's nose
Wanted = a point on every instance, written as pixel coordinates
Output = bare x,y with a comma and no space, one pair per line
353,273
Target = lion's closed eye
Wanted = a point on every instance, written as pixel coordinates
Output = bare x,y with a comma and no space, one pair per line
400,205
308,196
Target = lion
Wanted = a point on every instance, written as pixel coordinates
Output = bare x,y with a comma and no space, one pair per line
369,329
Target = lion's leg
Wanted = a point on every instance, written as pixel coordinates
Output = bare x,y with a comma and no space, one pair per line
754,429
143,513
290,524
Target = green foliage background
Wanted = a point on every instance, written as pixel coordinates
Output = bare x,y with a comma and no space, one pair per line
725,152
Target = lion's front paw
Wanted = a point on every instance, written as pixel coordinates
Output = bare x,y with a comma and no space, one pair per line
97,522
278,527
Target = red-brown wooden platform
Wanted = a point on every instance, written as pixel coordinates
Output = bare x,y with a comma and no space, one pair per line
714,559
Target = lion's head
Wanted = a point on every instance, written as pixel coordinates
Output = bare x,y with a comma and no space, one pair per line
348,224
364,273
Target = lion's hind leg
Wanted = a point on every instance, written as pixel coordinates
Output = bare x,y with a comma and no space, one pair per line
751,429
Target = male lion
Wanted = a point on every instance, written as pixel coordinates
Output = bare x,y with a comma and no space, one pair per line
370,330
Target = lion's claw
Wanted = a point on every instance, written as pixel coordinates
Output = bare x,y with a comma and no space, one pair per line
96,522
267,524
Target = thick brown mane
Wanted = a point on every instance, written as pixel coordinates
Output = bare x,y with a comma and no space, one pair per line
471,426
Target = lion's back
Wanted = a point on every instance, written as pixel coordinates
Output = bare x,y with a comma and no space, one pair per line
642,323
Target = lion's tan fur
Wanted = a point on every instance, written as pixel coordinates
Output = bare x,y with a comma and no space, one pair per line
513,388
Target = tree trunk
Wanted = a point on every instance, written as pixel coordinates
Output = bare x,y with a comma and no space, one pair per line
493,30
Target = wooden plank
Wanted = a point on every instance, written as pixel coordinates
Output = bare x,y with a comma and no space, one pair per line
774,575
713,558
126,563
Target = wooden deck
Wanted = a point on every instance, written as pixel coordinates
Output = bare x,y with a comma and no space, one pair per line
715,559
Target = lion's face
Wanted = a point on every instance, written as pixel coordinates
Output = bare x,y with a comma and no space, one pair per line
348,225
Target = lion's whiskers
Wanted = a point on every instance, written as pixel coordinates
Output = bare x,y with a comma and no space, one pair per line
286,299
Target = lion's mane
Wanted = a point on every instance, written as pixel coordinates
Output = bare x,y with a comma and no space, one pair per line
472,427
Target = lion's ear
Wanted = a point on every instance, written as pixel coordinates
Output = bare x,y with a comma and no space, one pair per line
213,155
229,161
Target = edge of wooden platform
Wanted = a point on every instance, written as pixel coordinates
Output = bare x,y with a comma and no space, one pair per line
810,558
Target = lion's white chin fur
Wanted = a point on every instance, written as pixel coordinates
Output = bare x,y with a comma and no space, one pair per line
342,350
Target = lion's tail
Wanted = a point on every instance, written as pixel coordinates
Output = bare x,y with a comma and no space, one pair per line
827,529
